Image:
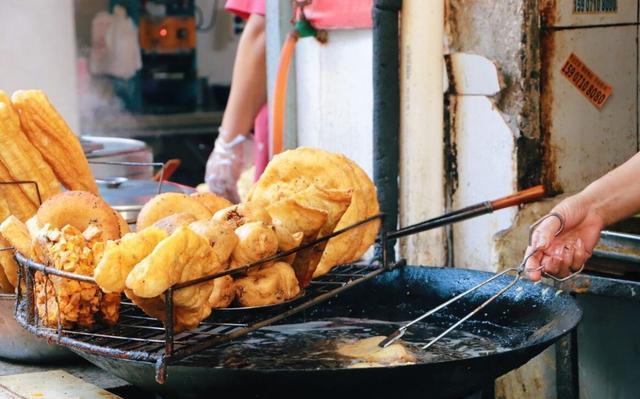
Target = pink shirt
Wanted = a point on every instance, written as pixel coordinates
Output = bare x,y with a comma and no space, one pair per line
244,8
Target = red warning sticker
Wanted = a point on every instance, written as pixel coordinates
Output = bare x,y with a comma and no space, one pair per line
596,90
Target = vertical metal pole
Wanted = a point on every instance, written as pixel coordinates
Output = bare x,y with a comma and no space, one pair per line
162,363
567,382
278,20
30,290
386,113
168,323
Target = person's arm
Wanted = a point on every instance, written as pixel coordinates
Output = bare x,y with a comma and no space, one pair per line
231,152
249,81
607,200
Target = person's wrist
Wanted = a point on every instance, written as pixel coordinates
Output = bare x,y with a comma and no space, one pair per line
224,135
594,206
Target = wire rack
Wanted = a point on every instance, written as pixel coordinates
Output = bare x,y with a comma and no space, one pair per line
139,337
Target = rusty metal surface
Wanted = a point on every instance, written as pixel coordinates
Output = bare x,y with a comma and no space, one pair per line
547,49
620,246
604,286
567,378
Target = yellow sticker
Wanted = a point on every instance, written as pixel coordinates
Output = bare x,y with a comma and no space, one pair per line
596,90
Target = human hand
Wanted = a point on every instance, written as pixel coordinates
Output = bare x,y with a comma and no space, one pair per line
226,163
566,252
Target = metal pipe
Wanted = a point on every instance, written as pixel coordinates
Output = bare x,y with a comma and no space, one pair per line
386,113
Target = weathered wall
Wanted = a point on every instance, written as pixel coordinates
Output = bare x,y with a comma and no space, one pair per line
513,44
497,150
38,51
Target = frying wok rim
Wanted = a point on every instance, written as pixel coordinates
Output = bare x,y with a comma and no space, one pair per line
525,346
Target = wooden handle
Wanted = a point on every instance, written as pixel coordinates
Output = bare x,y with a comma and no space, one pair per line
521,197
169,167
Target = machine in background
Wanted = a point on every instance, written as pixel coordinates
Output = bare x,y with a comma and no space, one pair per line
168,81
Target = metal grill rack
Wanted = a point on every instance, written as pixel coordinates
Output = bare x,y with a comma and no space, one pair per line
143,338
139,337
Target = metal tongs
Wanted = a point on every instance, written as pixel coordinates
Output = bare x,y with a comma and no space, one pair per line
517,271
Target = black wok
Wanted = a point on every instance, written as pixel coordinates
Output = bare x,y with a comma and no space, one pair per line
538,313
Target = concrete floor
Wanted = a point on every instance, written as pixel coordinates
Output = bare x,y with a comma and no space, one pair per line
81,369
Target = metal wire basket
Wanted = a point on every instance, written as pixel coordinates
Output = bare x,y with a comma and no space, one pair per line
139,337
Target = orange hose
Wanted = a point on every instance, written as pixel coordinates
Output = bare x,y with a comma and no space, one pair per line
280,91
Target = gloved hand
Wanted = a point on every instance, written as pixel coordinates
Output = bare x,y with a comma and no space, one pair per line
565,253
225,164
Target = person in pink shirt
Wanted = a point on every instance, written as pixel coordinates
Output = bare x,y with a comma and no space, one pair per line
235,149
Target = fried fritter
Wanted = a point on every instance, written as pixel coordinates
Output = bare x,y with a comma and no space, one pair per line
295,171
80,209
368,351
286,240
17,233
182,256
22,161
183,318
9,266
58,145
256,241
66,300
221,237
267,285
223,293
213,202
296,217
315,212
171,223
4,206
239,214
122,255
333,202
165,204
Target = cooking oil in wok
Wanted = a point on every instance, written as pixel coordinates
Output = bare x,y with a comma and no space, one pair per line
312,345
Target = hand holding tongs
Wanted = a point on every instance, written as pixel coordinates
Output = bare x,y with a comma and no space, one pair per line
519,270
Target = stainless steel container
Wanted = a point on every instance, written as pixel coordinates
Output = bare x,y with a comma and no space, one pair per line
128,196
112,149
16,343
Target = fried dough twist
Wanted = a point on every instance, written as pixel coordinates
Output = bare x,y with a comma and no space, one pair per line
21,161
51,135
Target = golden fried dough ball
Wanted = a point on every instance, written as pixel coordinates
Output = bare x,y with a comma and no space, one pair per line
172,222
267,285
166,204
246,212
221,237
256,241
213,202
224,291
